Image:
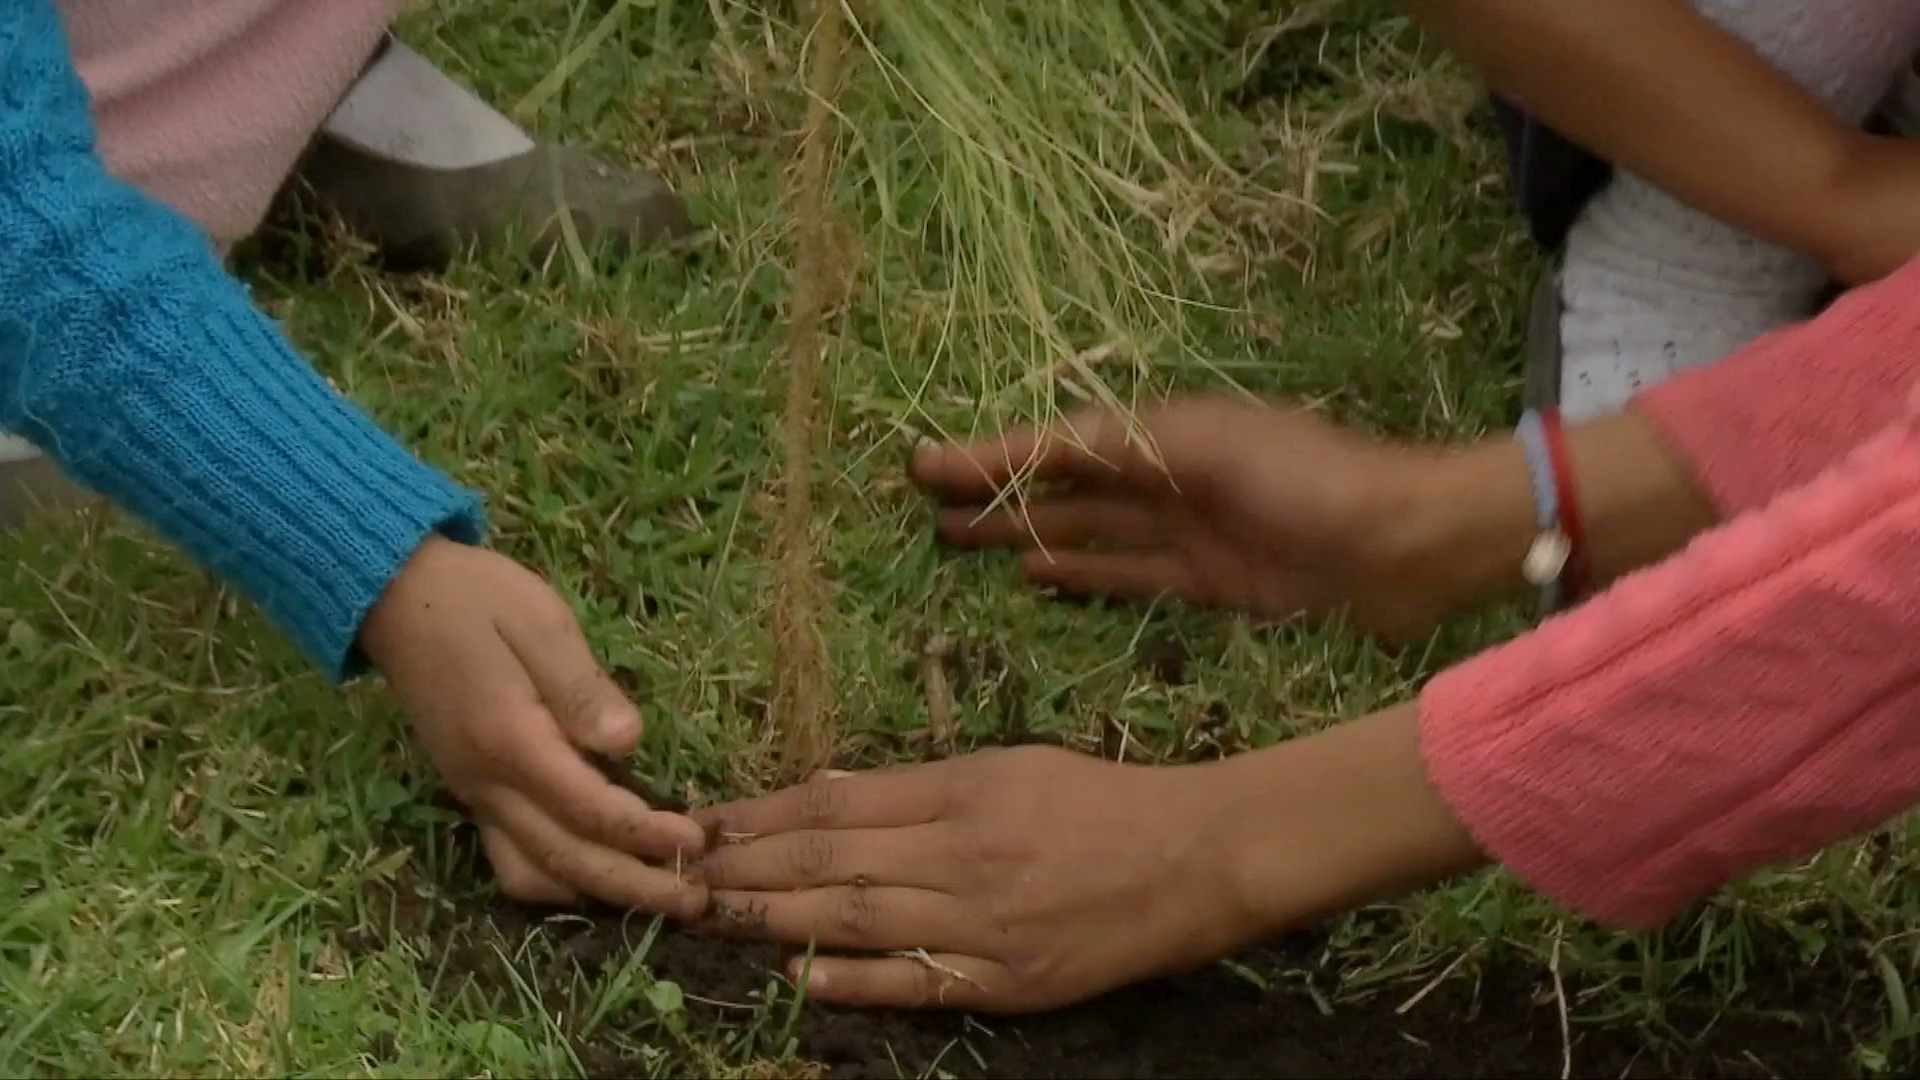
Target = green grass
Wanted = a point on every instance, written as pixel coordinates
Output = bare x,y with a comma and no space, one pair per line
196,826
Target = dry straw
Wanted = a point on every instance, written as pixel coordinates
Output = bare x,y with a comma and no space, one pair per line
1068,176
1059,187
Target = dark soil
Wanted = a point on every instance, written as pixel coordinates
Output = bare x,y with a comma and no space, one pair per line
1502,1022
1277,1012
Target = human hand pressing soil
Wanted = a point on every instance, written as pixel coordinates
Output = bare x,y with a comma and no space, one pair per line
508,700
1276,511
1028,879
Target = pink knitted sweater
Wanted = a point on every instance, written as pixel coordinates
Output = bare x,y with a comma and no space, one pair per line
1751,699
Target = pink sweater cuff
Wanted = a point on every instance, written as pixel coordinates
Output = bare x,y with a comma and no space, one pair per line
1748,701
1776,414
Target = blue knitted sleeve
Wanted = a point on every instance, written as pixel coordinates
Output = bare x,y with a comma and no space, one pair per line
131,357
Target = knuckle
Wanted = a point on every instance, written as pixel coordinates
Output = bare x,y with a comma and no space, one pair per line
855,914
1027,756
716,870
596,819
561,863
587,692
551,616
810,858
820,801
974,848
1001,913
497,745
656,897
520,882
929,986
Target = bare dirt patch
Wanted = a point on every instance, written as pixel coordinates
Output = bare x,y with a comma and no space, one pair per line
1273,1013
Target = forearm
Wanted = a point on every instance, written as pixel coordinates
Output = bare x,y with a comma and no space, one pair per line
1748,701
1659,90
137,363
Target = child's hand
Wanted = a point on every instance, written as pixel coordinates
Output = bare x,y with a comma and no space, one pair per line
1246,506
506,697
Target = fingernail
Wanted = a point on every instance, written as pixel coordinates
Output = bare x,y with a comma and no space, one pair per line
922,453
833,774
816,980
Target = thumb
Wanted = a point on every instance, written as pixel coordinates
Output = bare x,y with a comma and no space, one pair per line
582,699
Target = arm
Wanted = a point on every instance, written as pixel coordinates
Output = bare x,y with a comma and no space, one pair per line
1700,449
1747,701
145,371
1639,502
132,357
1667,95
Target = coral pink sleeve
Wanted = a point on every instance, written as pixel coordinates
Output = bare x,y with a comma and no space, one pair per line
1774,415
1750,700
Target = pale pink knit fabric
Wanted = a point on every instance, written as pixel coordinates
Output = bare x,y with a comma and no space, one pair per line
1751,699
207,104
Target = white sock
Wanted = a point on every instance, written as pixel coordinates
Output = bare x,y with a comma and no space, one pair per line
1651,287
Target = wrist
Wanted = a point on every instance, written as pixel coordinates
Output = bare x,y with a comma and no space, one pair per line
1459,527
1466,520
1845,222
383,628
1326,823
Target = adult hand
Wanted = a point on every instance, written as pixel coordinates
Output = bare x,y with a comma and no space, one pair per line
1007,881
1023,880
506,697
1218,503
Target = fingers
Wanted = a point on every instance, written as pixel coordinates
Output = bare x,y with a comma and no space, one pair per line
883,798
1119,574
913,857
1064,521
587,704
868,918
609,875
1086,445
930,981
519,877
543,767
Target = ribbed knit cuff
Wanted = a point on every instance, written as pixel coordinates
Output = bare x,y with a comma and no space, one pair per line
1749,701
1777,413
192,412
